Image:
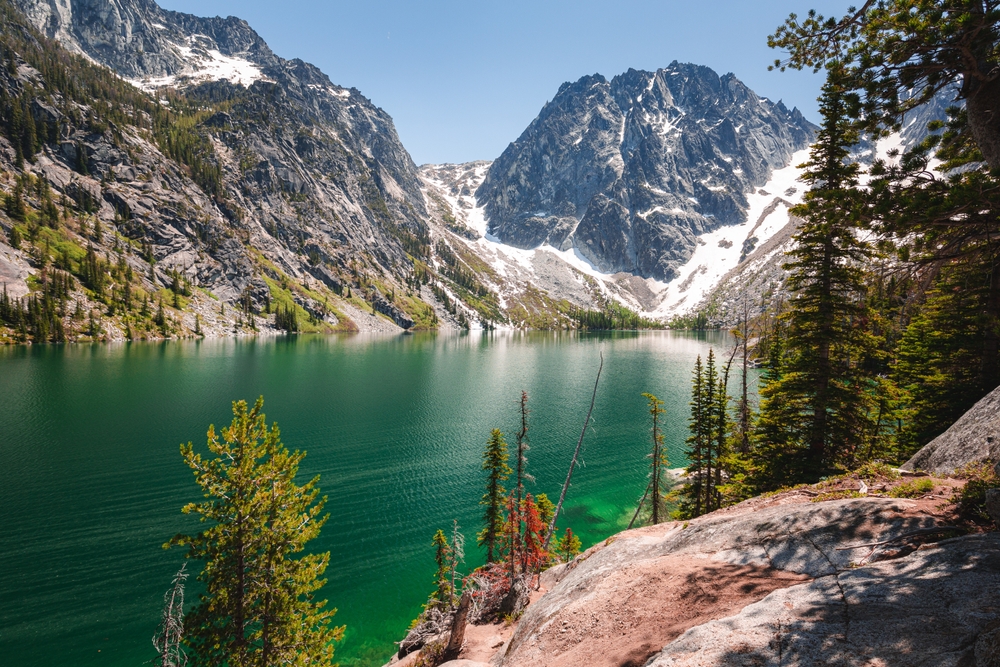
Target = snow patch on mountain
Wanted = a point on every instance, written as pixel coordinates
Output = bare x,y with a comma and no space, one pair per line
721,250
203,64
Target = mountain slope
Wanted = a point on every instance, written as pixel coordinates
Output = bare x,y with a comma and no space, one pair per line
247,172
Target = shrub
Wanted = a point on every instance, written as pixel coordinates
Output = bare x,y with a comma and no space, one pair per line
971,500
877,472
914,489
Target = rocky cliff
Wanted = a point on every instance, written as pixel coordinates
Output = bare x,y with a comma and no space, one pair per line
631,171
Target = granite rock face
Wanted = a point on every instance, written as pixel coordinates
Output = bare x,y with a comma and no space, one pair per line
773,581
630,171
974,437
933,608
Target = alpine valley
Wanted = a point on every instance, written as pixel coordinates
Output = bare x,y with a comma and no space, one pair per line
169,175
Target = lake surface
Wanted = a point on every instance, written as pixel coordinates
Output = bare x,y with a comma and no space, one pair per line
92,482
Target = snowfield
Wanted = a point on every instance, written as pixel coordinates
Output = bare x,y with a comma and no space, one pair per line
204,64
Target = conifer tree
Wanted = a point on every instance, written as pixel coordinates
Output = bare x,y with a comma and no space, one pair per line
258,607
815,411
495,459
710,394
569,546
533,544
546,508
693,491
940,362
658,460
442,580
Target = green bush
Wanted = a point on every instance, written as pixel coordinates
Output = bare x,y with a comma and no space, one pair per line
971,500
914,489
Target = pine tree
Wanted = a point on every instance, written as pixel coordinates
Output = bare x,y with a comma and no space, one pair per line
546,508
569,546
941,364
258,606
693,492
533,555
710,391
495,459
815,411
442,580
658,460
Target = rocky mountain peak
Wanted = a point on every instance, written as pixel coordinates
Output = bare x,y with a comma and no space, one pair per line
630,171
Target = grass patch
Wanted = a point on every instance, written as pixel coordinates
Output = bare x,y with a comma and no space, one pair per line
912,489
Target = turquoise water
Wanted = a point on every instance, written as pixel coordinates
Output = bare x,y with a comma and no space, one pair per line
91,481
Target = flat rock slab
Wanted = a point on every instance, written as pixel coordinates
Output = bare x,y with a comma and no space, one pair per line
974,437
937,607
620,602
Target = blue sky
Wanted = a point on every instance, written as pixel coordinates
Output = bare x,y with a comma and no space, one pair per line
462,79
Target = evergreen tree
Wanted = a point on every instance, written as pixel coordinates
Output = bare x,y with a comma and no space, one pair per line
658,460
815,410
533,555
546,508
442,580
710,395
693,491
569,546
258,606
940,361
495,459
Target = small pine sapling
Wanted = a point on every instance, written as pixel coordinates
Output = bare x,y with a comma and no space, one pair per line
569,546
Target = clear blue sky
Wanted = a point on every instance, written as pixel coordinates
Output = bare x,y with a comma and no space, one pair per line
462,79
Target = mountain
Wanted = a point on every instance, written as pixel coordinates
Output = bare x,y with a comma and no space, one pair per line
641,192
629,172
266,173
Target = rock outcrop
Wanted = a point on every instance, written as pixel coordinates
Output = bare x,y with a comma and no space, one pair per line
935,608
624,602
974,437
790,579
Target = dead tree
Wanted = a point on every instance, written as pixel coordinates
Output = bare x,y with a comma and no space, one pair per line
168,637
572,463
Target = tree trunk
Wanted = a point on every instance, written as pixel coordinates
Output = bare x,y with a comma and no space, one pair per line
991,338
983,104
458,627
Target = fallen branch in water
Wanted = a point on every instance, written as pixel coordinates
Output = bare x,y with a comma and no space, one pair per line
572,464
641,501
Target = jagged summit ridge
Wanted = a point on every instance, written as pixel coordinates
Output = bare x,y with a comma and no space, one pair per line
630,171
153,46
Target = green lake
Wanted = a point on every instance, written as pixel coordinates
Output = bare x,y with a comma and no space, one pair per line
92,482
